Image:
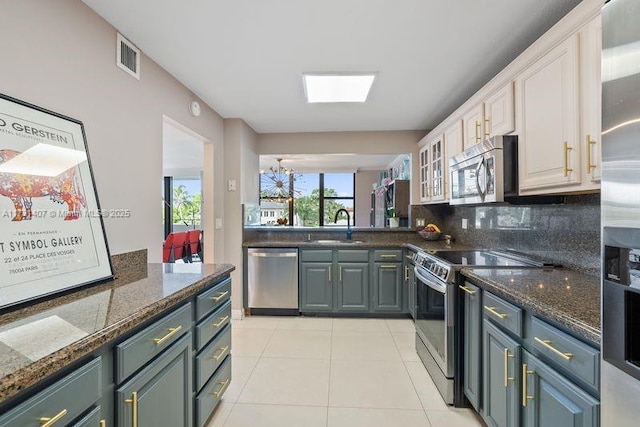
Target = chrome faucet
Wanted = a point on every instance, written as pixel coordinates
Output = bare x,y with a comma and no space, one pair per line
349,231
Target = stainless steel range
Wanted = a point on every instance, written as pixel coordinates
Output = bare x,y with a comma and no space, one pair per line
437,275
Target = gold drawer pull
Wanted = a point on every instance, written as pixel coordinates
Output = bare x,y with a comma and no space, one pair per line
223,350
409,257
329,274
467,290
103,423
589,144
406,273
525,397
507,378
134,408
222,320
387,256
567,169
492,310
223,387
48,422
220,296
172,332
547,344
389,266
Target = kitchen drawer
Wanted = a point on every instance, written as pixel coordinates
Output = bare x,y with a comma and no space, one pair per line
211,394
212,325
320,255
503,313
353,255
67,399
388,255
213,298
566,351
212,356
92,419
136,351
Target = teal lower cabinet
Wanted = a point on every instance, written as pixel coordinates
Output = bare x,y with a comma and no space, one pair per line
212,393
316,286
160,394
387,287
61,403
352,288
501,357
472,344
92,419
549,399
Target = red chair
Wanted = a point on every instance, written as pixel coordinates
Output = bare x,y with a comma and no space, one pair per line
193,243
179,240
167,247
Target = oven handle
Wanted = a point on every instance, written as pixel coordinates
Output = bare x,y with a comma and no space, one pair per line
429,282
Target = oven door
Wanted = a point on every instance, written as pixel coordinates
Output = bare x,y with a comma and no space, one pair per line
434,318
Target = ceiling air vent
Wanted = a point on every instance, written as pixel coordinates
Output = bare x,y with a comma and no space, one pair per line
128,57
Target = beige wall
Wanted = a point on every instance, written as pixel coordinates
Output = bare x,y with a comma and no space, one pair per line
241,166
364,179
60,55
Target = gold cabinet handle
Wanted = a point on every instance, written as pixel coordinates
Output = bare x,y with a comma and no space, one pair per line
547,344
388,256
223,387
172,332
103,423
134,408
507,378
223,350
389,266
493,311
590,142
222,320
340,273
406,273
525,397
467,290
478,124
409,257
486,128
220,296
329,273
567,169
48,422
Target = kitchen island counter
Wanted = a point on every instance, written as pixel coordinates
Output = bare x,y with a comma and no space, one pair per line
41,339
568,298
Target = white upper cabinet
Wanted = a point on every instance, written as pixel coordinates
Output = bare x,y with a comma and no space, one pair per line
499,117
434,167
549,147
472,126
590,95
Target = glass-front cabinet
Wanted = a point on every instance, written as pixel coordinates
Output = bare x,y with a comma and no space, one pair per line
433,169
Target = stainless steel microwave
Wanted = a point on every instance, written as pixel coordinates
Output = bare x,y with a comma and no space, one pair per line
486,172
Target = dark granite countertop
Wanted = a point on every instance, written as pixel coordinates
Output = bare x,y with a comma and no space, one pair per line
568,298
344,244
40,339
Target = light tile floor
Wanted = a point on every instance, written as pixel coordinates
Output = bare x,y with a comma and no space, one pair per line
302,371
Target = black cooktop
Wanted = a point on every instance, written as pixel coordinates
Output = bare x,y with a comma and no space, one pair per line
479,258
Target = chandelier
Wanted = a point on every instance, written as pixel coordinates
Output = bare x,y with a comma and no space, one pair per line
277,183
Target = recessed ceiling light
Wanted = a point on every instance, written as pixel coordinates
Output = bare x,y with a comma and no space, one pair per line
335,87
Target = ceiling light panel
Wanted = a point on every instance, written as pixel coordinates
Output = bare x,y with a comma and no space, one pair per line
334,87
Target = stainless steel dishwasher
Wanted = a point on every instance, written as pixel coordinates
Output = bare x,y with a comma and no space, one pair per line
272,280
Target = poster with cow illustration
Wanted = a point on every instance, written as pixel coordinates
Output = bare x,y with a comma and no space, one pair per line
51,231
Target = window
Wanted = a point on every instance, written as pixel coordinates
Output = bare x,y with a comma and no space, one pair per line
316,199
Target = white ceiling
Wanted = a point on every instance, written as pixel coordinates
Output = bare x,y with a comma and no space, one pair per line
245,58
181,153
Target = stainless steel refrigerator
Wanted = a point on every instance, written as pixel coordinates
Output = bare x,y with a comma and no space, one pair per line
620,368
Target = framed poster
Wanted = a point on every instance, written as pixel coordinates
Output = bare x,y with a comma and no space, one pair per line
51,231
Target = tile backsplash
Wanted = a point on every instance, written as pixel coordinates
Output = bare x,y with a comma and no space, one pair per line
567,233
